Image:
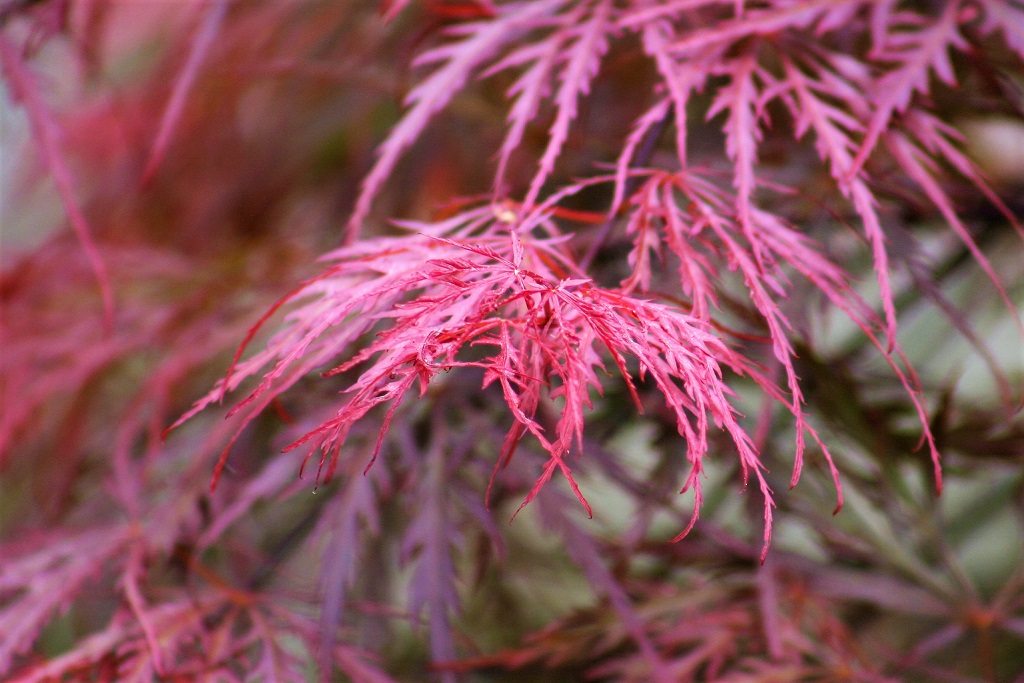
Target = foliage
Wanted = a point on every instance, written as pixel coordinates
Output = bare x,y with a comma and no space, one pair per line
654,248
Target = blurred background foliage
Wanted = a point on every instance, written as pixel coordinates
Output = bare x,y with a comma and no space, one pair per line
205,216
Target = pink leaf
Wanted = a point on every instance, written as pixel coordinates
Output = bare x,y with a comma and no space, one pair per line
201,44
459,60
918,54
583,60
46,132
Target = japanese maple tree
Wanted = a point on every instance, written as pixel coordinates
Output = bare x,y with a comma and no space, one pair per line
482,340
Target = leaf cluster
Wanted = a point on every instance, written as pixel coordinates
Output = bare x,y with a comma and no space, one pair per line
591,265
